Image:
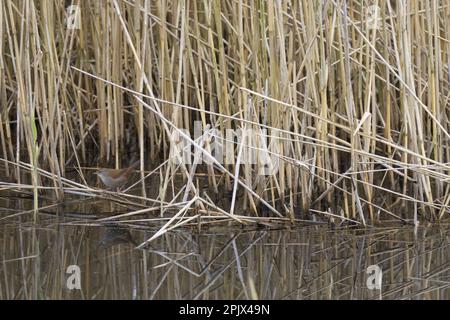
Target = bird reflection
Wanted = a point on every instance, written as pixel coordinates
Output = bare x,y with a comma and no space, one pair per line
114,236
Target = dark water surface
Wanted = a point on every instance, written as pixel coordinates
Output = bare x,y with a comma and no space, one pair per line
216,261
311,262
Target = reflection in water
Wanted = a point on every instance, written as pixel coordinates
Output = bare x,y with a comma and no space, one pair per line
305,263
113,236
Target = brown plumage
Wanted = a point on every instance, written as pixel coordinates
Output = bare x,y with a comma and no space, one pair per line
115,178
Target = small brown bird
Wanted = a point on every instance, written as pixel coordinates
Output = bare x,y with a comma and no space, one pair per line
115,178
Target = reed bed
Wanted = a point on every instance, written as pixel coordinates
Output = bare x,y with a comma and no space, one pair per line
350,99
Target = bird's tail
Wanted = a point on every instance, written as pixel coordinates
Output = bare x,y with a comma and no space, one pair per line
133,165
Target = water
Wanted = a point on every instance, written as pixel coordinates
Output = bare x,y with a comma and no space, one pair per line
216,261
310,262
